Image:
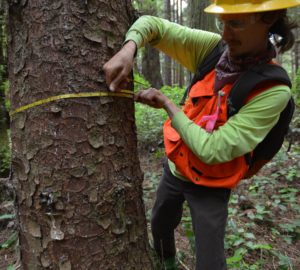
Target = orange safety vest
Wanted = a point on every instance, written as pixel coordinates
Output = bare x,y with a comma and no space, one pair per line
225,175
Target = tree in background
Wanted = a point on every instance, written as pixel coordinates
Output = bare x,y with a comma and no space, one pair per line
295,13
75,164
150,61
167,60
198,18
151,66
4,119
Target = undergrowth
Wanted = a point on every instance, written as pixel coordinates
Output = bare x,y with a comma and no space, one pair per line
263,229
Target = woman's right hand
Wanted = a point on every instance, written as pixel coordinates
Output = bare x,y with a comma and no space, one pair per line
119,66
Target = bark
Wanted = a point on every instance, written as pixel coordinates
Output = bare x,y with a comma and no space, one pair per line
297,49
151,67
180,20
75,164
167,59
150,57
4,119
198,18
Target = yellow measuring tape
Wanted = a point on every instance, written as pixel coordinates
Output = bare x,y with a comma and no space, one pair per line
122,93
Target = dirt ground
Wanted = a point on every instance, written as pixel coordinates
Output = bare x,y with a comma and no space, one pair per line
152,166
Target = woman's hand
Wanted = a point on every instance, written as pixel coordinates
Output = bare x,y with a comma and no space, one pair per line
156,99
119,66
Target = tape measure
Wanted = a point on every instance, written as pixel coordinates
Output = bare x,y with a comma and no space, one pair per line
122,93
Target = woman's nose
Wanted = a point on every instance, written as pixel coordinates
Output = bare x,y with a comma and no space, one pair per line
227,32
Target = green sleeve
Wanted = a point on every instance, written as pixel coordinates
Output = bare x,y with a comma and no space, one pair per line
187,46
240,134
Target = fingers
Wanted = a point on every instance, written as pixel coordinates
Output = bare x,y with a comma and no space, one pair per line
119,66
116,77
109,72
117,82
151,97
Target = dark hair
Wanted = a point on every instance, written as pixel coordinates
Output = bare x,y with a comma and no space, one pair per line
281,30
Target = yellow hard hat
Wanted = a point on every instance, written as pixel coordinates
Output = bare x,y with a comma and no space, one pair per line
249,6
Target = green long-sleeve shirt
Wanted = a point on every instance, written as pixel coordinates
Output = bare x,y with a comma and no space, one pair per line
242,132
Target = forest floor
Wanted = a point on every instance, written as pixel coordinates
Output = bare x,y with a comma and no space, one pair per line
263,230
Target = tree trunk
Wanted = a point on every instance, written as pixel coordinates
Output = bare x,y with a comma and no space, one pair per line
4,119
75,164
150,57
167,59
297,49
151,67
198,18
180,18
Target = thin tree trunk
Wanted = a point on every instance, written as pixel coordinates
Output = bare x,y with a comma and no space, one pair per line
75,164
181,70
297,49
167,59
4,119
150,58
198,18
151,67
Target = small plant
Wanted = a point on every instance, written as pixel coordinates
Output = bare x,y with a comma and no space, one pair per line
10,241
5,159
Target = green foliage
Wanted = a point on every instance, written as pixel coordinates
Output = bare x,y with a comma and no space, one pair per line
149,7
5,155
150,121
268,198
5,87
188,228
10,241
5,158
7,216
296,87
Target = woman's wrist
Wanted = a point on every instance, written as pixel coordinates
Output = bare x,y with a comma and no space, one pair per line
130,47
170,108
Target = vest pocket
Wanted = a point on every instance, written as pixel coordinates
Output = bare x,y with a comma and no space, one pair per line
220,170
170,133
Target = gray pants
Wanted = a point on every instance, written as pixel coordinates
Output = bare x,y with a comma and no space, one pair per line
208,208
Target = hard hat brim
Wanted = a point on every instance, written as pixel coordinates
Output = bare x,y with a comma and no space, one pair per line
251,8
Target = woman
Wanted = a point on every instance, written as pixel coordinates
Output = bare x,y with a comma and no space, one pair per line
205,156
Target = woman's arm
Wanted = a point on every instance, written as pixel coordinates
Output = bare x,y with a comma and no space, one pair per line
187,46
240,134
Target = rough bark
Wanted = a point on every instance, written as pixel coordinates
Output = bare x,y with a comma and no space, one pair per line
75,165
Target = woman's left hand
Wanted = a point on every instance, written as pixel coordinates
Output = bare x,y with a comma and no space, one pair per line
152,97
156,99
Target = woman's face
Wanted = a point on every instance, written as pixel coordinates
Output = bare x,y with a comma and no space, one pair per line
245,34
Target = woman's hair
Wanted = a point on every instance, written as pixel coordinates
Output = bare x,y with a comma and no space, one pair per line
281,30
